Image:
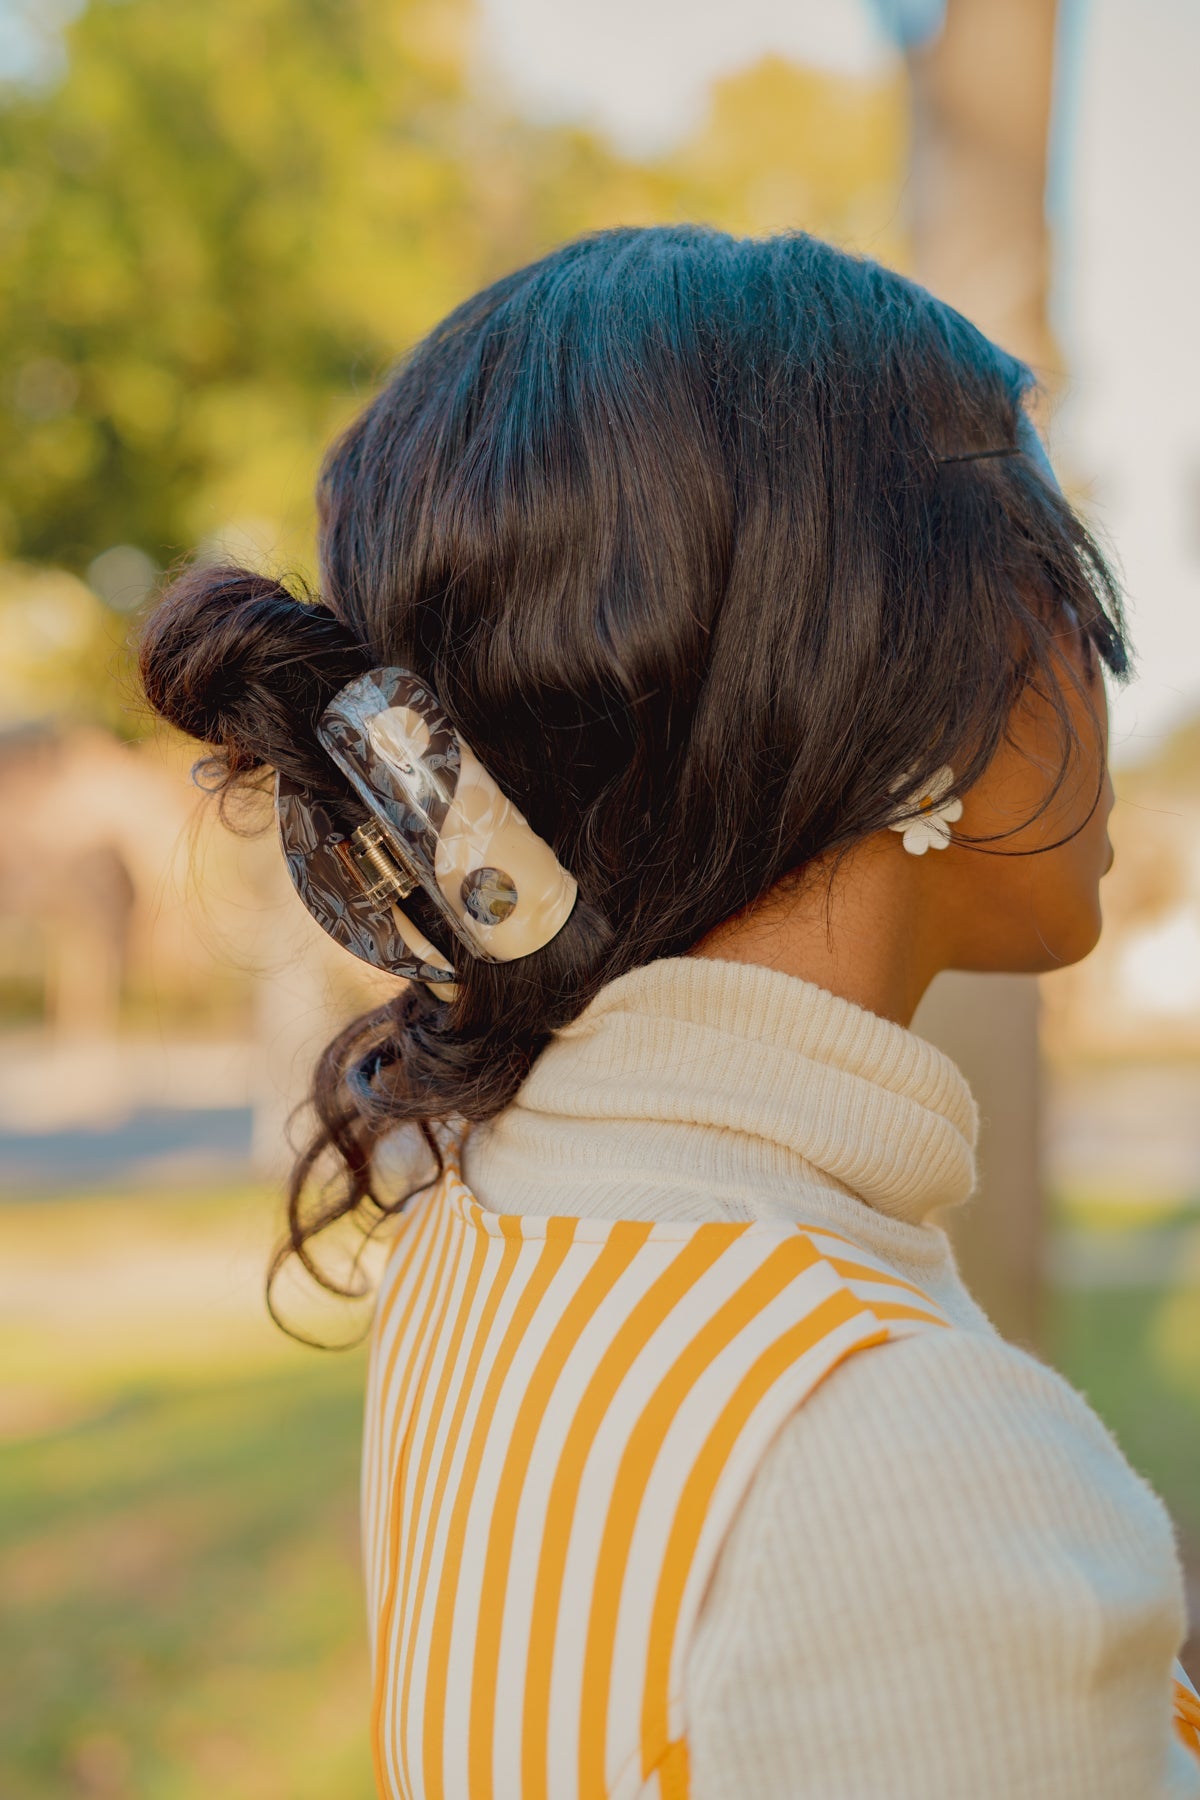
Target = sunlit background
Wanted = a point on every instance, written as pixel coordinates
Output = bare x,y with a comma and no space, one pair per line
219,224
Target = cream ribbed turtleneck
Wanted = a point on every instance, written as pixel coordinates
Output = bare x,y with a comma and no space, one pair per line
946,1582
791,1085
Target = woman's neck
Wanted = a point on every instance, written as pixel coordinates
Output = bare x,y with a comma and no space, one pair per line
856,931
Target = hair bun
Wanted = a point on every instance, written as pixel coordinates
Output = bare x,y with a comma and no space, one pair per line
236,661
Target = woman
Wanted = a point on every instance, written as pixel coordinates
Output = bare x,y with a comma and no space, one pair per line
731,581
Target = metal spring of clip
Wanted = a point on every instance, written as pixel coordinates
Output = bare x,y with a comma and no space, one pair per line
375,864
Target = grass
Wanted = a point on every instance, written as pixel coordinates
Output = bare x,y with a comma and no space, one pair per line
179,1487
183,1601
178,1520
1135,1353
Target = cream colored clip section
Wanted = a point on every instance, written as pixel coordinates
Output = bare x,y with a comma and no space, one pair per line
504,885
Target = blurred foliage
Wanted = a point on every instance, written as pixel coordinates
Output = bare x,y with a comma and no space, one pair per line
1135,1353
63,653
783,146
199,224
220,225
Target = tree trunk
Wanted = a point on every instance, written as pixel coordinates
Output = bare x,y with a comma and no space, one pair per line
982,95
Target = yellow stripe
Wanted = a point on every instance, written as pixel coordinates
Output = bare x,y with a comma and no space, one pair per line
478,1258
694,1260
496,1291
552,1254
417,1361
781,1266
896,1309
611,1263
426,1358
825,1231
418,1245
856,1271
414,1244
1187,1716
697,1494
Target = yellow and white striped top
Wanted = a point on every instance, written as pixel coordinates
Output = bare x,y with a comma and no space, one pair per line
563,1415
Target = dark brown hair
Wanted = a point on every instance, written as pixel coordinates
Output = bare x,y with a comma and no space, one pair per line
661,519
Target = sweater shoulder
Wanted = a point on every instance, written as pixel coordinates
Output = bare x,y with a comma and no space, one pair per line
947,1526
943,1414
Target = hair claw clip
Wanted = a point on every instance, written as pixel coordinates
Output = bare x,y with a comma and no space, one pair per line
434,818
347,891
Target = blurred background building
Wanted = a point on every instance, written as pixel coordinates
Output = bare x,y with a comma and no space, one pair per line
218,227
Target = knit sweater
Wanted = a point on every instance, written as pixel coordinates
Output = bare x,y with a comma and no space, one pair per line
945,1580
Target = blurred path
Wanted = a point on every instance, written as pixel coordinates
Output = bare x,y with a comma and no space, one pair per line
151,1144
93,1114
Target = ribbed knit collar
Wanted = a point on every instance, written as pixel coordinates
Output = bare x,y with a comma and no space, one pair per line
755,1077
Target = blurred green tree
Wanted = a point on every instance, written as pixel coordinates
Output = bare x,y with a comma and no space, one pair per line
219,225
783,146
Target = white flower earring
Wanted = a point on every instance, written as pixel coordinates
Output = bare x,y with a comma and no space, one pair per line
939,808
